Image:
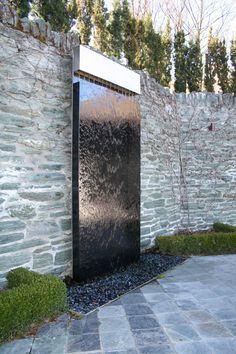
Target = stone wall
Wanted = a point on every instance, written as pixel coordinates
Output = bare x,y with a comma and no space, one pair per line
160,175
208,161
188,159
187,152
35,147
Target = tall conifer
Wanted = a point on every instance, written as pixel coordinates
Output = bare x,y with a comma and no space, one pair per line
166,52
216,66
22,7
221,64
209,79
55,12
129,30
180,61
233,63
149,45
157,58
115,28
139,61
99,19
82,10
194,65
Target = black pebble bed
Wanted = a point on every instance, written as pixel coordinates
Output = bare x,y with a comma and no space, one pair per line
85,297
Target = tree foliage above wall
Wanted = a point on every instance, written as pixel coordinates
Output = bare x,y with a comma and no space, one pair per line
54,12
170,55
22,7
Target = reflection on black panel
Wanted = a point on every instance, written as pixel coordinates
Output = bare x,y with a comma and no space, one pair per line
106,179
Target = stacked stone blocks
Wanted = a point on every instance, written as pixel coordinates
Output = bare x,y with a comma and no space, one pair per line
188,152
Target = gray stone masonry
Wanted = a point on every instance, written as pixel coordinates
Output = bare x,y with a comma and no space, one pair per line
35,146
188,160
187,152
160,169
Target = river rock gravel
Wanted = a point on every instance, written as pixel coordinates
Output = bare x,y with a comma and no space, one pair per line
86,296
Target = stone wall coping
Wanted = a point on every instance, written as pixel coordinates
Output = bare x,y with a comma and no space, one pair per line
38,28
203,96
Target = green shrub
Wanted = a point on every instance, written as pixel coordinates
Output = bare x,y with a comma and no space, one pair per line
220,227
31,299
20,276
211,243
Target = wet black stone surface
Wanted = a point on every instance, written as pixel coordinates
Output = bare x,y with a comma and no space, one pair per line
86,296
106,179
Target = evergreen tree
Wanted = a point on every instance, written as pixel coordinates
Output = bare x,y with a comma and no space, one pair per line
21,7
180,61
149,45
72,11
82,10
194,65
216,67
55,12
157,58
115,28
99,19
152,49
129,30
209,79
233,63
221,64
139,62
165,48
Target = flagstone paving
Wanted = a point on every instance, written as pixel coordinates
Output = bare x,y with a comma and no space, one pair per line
192,310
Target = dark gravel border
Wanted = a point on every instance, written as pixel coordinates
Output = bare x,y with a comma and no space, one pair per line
85,297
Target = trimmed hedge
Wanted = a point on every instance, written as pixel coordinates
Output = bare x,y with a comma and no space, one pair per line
220,227
211,243
30,299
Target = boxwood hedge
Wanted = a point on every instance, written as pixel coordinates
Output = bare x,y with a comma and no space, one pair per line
219,226
204,243
30,299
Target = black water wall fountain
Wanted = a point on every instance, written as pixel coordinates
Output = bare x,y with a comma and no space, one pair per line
106,177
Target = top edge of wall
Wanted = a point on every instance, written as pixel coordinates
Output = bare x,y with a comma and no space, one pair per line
85,58
39,29
206,98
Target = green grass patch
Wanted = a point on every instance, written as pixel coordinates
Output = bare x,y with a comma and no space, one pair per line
30,299
204,243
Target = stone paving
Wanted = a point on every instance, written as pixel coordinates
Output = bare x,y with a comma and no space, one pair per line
191,310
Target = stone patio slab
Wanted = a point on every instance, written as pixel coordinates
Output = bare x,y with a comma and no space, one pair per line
137,309
222,346
120,340
111,311
231,325
199,316
111,324
22,346
193,348
180,333
190,311
143,322
212,330
157,349
171,318
83,343
150,337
